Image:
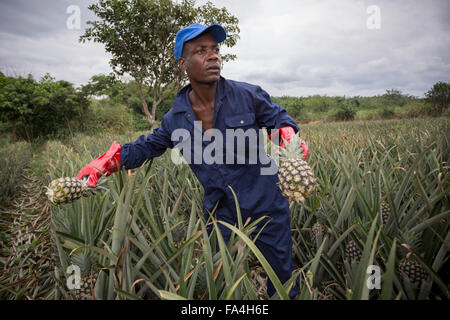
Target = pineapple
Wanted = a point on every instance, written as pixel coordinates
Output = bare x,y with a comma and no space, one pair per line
353,252
385,211
69,189
89,276
87,284
319,229
352,259
410,267
296,179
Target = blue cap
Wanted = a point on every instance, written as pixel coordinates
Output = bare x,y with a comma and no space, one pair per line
194,30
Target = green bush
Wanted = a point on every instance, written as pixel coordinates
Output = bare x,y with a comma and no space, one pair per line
345,112
104,115
140,122
387,113
439,97
39,108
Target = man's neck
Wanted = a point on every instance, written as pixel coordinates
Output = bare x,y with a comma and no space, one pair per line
203,93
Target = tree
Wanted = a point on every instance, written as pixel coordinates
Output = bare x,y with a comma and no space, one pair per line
439,96
140,36
394,97
108,85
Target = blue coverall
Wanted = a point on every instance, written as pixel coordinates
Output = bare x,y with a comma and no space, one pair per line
238,105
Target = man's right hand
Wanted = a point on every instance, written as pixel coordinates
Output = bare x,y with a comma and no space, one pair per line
107,163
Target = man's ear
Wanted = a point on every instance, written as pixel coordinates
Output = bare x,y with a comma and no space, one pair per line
182,63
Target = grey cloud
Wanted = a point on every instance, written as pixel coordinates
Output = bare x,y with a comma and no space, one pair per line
35,39
287,46
40,18
338,51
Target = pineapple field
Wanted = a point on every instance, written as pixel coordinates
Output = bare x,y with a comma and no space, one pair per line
376,226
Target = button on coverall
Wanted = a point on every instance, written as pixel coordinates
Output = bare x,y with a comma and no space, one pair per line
239,108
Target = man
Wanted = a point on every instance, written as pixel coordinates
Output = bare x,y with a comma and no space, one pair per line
211,106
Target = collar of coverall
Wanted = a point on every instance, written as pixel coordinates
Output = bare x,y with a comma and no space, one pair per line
181,102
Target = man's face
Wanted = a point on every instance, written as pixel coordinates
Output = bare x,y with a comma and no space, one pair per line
201,59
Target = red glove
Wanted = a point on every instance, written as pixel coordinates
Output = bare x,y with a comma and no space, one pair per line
105,164
286,133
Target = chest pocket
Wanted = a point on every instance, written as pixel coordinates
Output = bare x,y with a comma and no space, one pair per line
240,120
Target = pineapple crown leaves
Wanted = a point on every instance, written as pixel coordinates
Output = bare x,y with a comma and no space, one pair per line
101,184
383,197
321,217
292,148
83,258
410,241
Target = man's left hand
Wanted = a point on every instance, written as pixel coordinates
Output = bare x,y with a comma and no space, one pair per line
286,133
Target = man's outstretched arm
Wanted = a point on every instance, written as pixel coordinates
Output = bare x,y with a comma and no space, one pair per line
129,155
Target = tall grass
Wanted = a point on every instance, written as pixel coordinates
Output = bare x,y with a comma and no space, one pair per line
13,158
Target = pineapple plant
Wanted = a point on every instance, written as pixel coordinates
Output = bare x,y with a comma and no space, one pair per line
319,229
87,285
409,267
201,284
385,211
410,198
296,179
85,261
179,225
68,189
353,255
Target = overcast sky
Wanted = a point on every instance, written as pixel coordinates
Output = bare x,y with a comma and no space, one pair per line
289,47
